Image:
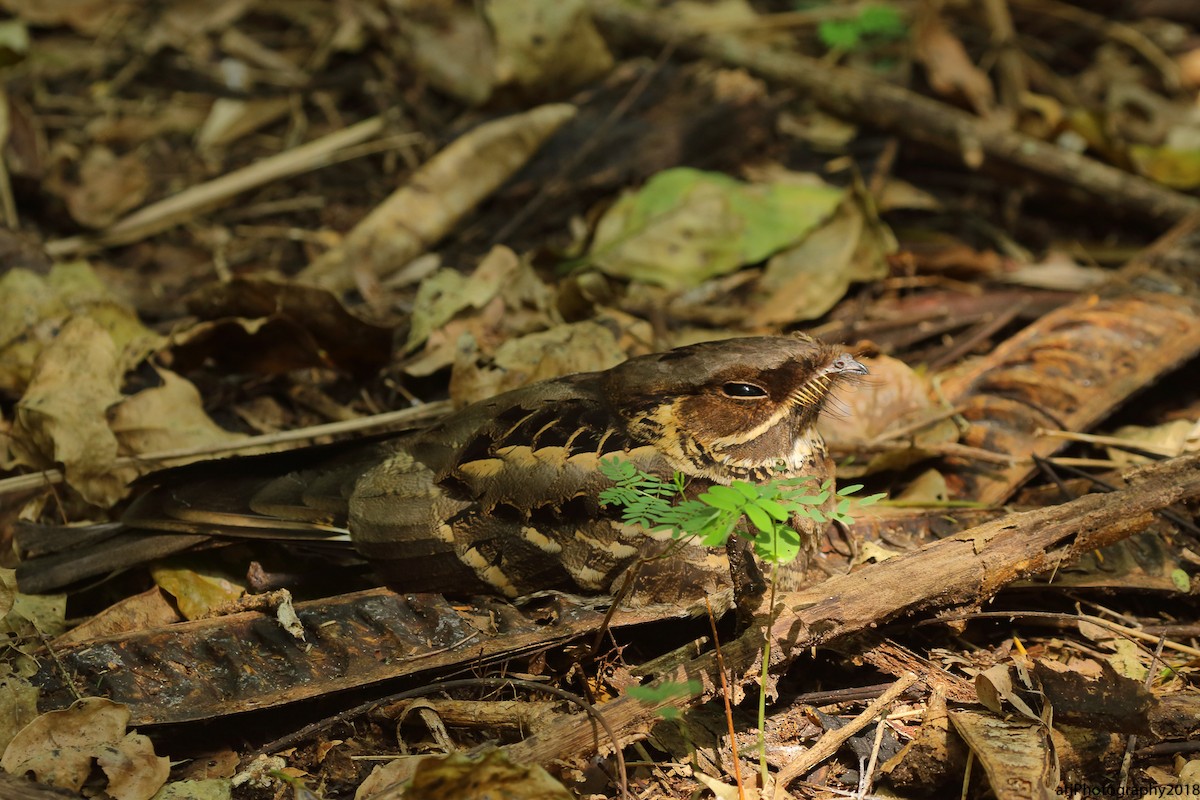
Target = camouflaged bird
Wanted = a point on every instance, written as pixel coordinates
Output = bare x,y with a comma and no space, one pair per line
501,497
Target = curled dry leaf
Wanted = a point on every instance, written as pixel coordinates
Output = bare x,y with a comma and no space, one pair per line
534,48
476,778
437,196
34,307
585,346
108,187
1170,439
1014,752
196,593
805,281
61,419
891,397
59,747
948,67
502,298
266,326
545,48
166,417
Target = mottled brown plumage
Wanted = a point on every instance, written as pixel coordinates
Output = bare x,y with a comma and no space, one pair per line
502,496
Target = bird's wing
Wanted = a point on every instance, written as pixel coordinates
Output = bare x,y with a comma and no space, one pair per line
510,487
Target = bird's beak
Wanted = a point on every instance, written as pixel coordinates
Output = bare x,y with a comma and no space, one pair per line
846,364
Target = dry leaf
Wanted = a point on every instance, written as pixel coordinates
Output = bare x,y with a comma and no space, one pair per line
437,196
109,186
891,397
196,593
59,747
18,706
211,789
546,48
150,609
1016,754
166,417
491,775
451,45
269,326
1169,439
88,17
805,281
577,347
62,417
34,307
501,299
948,67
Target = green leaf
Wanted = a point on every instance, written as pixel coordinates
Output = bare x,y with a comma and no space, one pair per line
723,497
839,34
663,692
717,532
1182,580
685,226
761,519
748,490
777,512
885,22
781,548
851,489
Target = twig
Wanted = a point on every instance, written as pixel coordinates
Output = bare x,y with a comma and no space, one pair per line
725,693
831,741
401,418
204,197
465,683
1117,31
908,114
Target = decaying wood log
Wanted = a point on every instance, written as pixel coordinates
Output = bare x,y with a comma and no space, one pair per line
247,661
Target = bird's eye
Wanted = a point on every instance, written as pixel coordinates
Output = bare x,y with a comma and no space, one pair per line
738,389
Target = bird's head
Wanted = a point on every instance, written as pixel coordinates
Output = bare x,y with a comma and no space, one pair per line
737,408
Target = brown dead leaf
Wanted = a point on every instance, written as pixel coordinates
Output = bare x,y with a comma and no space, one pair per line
34,307
108,187
134,771
805,281
166,417
948,67
502,298
1189,68
436,197
59,747
891,397
530,49
478,777
927,489
451,45
1015,753
545,48
196,593
150,609
585,346
18,706
61,419
268,326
